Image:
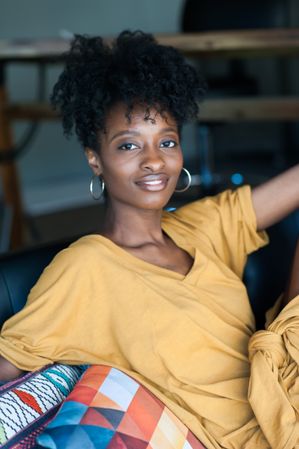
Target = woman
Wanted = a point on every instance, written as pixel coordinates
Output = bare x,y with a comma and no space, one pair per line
159,295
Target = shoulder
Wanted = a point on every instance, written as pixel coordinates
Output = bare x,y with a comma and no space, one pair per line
82,250
212,209
76,267
80,256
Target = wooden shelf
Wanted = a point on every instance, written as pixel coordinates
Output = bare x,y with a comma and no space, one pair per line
30,111
211,110
245,43
250,109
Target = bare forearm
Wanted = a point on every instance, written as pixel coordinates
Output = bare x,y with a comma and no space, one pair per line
276,198
8,371
292,288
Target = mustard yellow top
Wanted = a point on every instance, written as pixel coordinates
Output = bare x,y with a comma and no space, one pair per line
184,337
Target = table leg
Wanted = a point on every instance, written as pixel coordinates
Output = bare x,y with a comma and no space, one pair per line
9,173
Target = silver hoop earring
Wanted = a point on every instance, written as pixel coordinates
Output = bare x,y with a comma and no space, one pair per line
101,187
188,183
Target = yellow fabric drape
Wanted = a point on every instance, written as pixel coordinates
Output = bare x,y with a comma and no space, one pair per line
185,337
274,381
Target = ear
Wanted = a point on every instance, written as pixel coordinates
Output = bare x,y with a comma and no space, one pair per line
94,161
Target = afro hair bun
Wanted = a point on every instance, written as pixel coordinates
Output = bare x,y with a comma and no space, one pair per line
132,69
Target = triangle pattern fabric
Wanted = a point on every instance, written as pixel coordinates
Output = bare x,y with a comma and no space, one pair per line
117,443
129,427
101,400
95,418
98,438
128,442
101,424
114,417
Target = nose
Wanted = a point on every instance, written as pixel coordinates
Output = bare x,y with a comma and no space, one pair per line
152,159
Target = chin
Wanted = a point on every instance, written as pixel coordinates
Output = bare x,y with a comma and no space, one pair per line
155,204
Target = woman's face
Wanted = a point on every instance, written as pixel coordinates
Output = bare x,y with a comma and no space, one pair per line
140,160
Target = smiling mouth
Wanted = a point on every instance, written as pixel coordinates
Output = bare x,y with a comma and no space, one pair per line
153,185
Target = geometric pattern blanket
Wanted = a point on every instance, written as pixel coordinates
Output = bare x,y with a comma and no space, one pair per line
107,409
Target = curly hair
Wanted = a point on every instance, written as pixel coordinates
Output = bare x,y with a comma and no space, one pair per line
134,69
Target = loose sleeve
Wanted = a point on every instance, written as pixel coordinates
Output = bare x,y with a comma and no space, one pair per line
48,328
228,223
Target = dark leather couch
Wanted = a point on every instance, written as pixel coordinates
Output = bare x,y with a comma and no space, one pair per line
19,271
265,275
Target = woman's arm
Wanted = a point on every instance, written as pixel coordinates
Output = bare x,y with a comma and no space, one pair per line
8,371
292,288
276,198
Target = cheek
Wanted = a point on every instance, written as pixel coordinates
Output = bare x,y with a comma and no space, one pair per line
116,175
178,162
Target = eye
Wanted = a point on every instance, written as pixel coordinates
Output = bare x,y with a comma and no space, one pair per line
168,144
127,146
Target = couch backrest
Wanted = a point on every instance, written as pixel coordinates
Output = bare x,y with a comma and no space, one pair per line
19,271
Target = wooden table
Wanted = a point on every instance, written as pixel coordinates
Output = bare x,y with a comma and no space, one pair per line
228,44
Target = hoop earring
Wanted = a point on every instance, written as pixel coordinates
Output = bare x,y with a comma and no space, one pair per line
91,187
188,183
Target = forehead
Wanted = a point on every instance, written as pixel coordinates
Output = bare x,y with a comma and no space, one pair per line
119,116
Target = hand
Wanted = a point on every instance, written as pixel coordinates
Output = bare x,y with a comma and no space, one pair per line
8,371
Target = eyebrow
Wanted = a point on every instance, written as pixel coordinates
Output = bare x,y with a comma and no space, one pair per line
124,133
136,133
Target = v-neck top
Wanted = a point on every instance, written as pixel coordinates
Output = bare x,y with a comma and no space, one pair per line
184,337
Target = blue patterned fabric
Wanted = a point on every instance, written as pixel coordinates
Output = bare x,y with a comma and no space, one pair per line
108,409
27,404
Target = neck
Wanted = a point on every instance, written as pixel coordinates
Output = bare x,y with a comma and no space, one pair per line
131,228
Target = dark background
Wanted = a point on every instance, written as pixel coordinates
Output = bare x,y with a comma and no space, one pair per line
53,172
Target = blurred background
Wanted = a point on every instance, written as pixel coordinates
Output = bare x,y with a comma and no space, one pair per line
52,172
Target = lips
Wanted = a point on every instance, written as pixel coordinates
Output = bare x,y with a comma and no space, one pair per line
153,183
